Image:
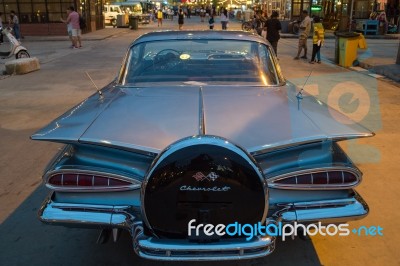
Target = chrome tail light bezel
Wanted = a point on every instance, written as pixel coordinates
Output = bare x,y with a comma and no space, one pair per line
273,182
130,183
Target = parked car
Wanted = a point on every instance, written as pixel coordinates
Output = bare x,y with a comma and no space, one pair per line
200,131
110,13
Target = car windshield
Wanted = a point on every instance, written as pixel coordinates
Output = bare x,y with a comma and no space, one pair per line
200,62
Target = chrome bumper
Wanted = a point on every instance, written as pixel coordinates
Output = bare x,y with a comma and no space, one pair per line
183,250
325,211
128,218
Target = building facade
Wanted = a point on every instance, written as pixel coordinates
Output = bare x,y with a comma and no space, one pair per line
42,17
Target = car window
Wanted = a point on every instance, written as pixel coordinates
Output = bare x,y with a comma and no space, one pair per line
209,62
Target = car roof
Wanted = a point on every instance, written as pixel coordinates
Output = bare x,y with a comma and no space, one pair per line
199,35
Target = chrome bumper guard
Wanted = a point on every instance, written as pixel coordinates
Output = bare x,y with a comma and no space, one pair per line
128,218
86,215
325,211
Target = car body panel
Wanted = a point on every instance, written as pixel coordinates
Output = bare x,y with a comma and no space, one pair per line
149,119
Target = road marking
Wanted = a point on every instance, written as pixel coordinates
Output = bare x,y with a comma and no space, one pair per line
376,75
356,68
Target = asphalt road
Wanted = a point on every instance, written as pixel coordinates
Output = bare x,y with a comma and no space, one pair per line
31,101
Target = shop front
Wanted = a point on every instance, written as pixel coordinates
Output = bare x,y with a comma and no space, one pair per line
42,17
336,13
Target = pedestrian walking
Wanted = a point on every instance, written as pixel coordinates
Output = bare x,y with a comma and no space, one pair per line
318,40
14,24
73,19
224,19
181,17
305,27
159,17
211,22
202,13
152,16
82,26
273,26
69,30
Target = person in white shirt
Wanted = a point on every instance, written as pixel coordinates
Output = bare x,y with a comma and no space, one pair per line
224,19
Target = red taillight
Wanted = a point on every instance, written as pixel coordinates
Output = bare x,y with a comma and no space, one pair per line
101,181
336,177
348,177
304,179
326,179
85,180
71,180
320,178
56,180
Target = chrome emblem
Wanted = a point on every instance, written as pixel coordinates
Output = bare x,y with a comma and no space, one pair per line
199,176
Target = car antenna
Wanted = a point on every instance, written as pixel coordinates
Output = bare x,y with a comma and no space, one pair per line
94,84
299,95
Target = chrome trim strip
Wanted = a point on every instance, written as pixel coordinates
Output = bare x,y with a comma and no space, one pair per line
183,250
353,170
135,184
147,151
272,58
202,122
259,150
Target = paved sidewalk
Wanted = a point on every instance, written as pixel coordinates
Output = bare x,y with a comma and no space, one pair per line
382,64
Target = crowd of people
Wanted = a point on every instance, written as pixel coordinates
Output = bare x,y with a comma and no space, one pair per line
206,14
268,27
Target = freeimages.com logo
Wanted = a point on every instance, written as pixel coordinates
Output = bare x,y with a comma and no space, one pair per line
278,229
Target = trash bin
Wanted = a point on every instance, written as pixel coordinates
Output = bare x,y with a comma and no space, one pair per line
121,21
133,22
346,45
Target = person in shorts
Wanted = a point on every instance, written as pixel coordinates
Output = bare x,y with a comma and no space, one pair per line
69,30
73,19
305,27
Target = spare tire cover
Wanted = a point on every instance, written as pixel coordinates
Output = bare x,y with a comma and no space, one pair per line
206,178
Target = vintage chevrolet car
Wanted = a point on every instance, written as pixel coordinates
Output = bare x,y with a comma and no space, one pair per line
198,131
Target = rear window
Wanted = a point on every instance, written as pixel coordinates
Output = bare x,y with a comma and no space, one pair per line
208,62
